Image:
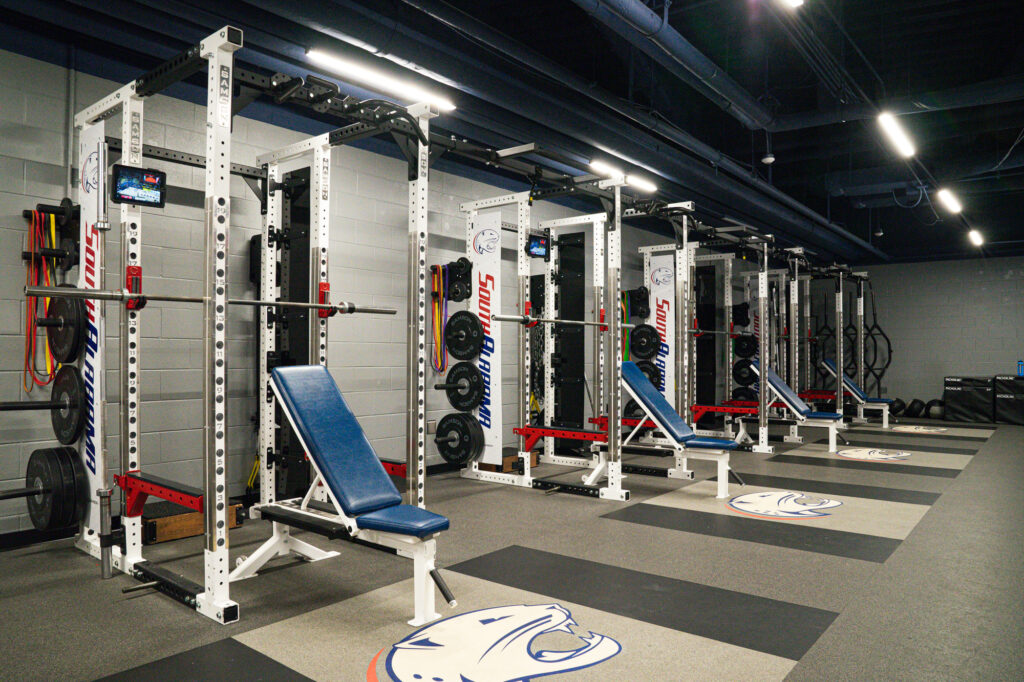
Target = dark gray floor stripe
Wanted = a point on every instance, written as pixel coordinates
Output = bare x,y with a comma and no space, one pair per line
866,466
869,492
790,535
226,659
885,443
939,435
949,425
768,625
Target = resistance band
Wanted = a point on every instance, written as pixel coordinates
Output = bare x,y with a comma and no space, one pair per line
439,314
39,271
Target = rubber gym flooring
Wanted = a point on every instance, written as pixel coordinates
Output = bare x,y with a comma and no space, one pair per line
899,564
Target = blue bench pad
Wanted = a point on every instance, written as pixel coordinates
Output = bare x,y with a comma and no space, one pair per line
405,519
879,401
335,440
711,443
847,381
653,400
824,415
782,389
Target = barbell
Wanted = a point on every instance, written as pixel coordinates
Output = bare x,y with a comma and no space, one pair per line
122,295
529,320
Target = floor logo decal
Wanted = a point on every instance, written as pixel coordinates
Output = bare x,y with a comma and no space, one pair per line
915,428
874,454
782,504
493,644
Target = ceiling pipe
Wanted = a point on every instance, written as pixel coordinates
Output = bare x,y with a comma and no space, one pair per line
654,36
996,91
479,31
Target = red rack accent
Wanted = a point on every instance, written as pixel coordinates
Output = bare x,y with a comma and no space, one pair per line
532,434
323,298
133,283
138,490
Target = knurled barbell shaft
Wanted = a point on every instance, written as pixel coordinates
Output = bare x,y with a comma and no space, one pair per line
526,319
104,295
17,406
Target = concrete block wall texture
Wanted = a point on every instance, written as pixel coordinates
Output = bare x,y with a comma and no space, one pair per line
367,254
944,318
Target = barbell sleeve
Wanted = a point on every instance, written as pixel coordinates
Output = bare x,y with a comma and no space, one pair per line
453,438
49,322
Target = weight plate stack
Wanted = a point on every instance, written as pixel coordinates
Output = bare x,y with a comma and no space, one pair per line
745,346
470,390
459,438
67,340
46,508
651,371
463,335
743,372
744,394
68,421
643,342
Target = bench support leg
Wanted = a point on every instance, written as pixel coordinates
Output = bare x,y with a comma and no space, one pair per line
794,435
885,416
681,469
280,543
423,586
860,418
723,476
832,431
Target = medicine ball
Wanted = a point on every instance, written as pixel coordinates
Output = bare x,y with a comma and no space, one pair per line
935,409
915,408
897,407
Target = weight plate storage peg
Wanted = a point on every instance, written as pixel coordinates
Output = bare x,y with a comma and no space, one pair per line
65,328
459,438
464,386
743,372
68,418
745,346
644,342
463,335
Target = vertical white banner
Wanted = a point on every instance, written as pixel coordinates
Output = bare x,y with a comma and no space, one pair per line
89,277
663,318
483,242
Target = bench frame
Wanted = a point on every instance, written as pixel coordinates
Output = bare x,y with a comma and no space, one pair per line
862,404
833,425
681,452
281,543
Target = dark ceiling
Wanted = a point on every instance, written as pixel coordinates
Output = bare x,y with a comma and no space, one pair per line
555,72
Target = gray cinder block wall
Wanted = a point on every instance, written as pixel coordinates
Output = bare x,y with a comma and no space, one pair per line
367,264
944,318
950,318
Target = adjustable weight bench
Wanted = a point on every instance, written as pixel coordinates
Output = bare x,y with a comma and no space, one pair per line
802,412
351,496
679,434
860,397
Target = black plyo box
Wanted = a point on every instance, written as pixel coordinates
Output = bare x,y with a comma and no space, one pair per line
968,399
1009,399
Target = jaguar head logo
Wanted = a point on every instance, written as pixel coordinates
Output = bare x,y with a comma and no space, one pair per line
90,173
495,644
486,241
782,504
661,276
873,454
